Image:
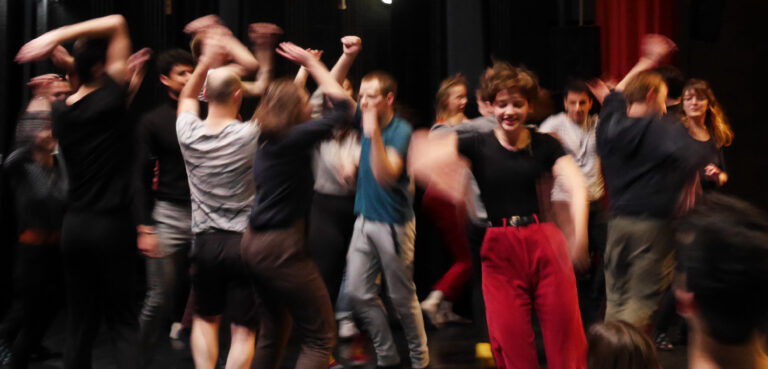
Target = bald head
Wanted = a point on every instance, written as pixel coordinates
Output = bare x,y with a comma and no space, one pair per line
222,83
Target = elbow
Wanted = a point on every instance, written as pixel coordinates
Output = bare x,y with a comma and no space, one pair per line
118,21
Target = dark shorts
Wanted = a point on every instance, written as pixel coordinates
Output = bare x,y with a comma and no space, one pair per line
219,280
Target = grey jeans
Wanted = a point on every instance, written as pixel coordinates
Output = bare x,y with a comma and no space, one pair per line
378,247
167,276
639,264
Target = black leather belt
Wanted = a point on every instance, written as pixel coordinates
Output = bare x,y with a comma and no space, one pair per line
514,221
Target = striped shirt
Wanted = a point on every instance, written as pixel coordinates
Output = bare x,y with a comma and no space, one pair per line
219,171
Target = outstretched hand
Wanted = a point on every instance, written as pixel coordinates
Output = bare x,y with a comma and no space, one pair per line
296,54
137,61
599,89
202,23
655,47
351,45
264,34
38,49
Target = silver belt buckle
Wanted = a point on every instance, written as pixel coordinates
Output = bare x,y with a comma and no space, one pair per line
514,221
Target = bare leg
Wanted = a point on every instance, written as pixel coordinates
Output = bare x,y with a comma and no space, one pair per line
241,347
205,341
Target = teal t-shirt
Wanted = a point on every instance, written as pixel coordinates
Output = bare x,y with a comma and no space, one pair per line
385,204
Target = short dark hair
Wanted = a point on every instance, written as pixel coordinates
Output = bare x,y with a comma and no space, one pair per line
89,52
577,86
673,78
168,58
723,245
387,83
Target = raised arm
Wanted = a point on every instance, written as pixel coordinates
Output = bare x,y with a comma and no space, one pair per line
316,69
302,75
431,159
576,186
213,53
137,68
112,27
243,62
654,49
351,46
263,38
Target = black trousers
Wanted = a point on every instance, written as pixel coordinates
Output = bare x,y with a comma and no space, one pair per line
39,289
331,222
100,259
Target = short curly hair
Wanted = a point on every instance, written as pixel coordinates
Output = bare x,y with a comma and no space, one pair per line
504,76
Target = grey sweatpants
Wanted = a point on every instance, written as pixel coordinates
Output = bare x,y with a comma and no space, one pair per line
378,247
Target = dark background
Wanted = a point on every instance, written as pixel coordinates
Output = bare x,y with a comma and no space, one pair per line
423,41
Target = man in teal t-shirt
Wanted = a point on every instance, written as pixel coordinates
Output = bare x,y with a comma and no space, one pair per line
384,233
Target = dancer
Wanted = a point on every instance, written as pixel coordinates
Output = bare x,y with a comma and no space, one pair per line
708,125
448,216
217,153
722,290
38,184
273,247
98,238
647,161
525,262
575,129
166,217
385,229
619,345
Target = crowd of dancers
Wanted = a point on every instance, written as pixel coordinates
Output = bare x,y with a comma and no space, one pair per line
300,218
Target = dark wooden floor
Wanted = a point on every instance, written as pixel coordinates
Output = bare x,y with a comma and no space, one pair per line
451,347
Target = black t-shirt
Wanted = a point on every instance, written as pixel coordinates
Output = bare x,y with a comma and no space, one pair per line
96,137
646,160
159,145
282,170
711,155
507,179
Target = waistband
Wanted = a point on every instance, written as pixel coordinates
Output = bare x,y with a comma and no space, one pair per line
514,221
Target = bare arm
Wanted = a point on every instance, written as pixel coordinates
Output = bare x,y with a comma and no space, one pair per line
137,67
576,187
386,162
655,48
302,75
316,69
263,38
351,46
112,27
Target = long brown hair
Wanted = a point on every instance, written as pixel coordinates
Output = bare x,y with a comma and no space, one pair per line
619,345
281,108
715,121
443,92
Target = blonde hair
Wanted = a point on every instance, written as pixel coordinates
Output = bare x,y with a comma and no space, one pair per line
715,121
443,92
644,82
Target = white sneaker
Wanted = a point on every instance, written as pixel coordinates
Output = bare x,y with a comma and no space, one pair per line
347,329
431,305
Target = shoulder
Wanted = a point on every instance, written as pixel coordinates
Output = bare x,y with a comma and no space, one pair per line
544,142
553,123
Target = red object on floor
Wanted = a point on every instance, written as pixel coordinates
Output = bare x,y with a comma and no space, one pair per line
450,220
527,268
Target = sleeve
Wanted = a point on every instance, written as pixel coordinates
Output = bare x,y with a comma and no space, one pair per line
549,125
144,171
401,140
309,133
549,150
467,146
186,123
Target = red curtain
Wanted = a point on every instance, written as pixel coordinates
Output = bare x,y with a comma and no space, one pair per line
623,24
